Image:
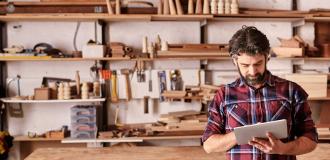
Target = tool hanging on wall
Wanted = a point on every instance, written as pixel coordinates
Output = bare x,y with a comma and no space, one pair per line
162,84
150,79
114,95
140,71
126,73
15,111
78,83
146,104
176,80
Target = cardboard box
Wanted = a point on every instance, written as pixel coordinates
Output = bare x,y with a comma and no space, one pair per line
93,51
314,84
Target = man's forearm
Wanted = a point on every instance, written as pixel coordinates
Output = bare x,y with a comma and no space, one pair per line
299,146
220,143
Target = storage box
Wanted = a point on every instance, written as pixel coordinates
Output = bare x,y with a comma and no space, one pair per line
42,93
314,84
93,51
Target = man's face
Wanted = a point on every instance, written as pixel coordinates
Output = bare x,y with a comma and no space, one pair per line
251,68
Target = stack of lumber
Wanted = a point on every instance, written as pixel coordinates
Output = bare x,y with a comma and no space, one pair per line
119,49
179,123
324,133
194,50
204,92
208,92
314,84
293,47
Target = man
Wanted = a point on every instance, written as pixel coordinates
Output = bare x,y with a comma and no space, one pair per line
258,96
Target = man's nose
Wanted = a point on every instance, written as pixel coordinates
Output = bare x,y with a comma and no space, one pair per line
252,71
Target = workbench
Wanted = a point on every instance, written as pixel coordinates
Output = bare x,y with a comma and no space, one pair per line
124,153
149,153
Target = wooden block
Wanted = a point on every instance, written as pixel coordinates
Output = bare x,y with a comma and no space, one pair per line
290,43
314,84
56,134
288,52
42,93
174,94
183,113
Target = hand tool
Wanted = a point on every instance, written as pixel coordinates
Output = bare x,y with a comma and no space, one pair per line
78,83
162,84
126,73
114,95
150,79
146,104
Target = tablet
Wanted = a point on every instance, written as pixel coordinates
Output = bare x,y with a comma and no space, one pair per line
245,133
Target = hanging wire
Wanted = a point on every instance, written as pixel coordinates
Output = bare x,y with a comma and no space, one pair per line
75,36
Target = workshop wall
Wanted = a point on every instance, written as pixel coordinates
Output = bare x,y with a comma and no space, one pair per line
42,117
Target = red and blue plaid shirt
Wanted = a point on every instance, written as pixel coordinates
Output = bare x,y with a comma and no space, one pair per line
237,104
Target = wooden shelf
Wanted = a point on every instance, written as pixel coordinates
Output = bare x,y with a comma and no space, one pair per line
129,139
319,99
47,58
317,19
6,100
211,58
26,138
103,140
72,3
146,17
259,17
181,17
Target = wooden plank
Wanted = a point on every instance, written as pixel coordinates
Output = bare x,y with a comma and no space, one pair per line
26,148
119,153
191,53
148,153
183,113
28,139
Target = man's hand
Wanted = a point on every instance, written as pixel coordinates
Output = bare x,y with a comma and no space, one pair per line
271,145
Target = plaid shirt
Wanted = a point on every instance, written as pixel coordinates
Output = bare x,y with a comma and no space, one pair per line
237,104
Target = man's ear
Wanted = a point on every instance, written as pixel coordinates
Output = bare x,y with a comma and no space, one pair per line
234,61
268,57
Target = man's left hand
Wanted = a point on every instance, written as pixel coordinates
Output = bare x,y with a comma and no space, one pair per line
271,145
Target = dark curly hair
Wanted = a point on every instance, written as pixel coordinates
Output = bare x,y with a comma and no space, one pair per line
249,40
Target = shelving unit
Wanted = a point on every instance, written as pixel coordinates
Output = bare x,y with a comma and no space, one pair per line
6,100
297,18
210,58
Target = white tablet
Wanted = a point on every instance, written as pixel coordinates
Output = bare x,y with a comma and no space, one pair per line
245,133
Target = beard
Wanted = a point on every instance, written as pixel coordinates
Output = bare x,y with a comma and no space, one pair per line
253,80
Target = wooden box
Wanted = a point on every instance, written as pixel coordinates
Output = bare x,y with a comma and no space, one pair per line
42,93
314,84
56,134
288,52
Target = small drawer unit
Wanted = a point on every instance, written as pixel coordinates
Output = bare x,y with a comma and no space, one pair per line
85,121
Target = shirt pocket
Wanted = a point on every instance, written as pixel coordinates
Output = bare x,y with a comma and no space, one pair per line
280,109
237,115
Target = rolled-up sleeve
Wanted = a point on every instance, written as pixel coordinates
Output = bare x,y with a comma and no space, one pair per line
216,117
304,124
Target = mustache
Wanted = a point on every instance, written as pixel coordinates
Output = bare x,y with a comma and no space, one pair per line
256,79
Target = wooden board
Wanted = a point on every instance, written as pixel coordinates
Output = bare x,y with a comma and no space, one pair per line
288,52
116,153
314,84
149,153
191,53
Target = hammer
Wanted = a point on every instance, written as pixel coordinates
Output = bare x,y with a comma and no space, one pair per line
114,95
126,72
